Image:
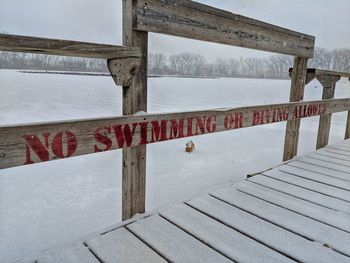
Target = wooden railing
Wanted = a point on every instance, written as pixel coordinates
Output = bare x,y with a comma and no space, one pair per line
328,80
28,144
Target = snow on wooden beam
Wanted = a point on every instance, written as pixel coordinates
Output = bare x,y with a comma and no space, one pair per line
27,144
193,20
47,46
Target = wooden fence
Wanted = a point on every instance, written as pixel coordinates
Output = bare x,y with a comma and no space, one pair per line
28,144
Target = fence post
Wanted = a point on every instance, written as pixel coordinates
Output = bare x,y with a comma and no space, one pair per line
347,128
328,82
134,100
296,94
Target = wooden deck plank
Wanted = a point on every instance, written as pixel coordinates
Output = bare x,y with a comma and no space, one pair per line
229,242
339,152
308,184
344,142
121,246
321,178
320,170
287,219
74,254
333,154
340,147
298,211
329,159
172,242
324,164
316,212
314,197
273,236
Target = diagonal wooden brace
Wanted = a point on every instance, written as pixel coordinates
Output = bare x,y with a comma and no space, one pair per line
123,70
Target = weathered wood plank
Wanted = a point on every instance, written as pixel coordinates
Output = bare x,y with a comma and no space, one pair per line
317,177
27,144
190,19
320,170
329,159
172,242
281,240
74,254
134,100
48,46
332,73
302,193
287,219
345,143
341,147
299,75
309,184
316,212
317,72
121,246
229,242
326,165
333,154
339,152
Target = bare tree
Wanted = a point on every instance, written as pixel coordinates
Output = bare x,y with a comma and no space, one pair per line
157,63
186,63
341,59
322,59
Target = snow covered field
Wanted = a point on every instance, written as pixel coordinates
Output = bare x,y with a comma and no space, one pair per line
53,204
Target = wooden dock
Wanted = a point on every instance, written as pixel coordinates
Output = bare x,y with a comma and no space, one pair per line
298,211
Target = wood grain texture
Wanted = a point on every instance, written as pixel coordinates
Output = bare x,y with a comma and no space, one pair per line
58,47
134,100
299,75
193,20
317,72
347,127
328,82
27,144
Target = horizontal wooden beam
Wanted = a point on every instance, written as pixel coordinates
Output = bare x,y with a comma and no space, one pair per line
193,20
321,72
27,144
48,46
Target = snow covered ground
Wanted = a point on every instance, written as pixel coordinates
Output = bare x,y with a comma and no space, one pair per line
53,204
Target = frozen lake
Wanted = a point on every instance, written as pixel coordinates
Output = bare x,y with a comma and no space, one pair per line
53,204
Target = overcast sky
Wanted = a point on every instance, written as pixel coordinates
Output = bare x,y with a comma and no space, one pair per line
100,21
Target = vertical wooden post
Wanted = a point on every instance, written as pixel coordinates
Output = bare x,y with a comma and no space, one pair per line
328,82
347,128
296,94
134,100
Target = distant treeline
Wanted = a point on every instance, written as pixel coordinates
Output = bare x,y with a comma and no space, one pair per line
185,64
275,66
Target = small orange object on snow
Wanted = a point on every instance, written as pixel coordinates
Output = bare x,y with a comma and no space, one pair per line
190,146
